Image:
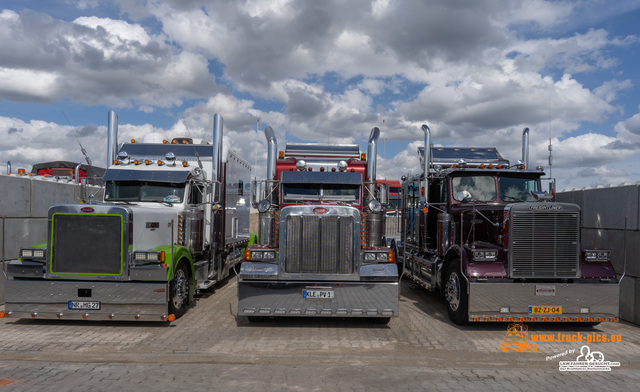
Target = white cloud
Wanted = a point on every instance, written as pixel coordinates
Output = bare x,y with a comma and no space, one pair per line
322,71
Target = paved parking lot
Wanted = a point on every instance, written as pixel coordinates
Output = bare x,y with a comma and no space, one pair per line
208,349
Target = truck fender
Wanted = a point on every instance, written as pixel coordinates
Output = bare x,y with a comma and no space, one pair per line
172,259
453,253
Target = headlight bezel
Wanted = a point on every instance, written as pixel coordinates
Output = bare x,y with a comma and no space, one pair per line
262,255
35,254
596,255
378,257
484,255
148,257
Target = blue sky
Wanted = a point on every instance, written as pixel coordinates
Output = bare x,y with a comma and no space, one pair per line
476,71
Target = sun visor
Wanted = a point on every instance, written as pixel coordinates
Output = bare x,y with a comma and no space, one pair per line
144,175
307,177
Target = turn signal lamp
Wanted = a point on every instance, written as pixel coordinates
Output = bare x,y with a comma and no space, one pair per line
280,154
171,317
363,156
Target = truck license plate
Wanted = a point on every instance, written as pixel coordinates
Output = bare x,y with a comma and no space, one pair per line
90,305
545,309
317,294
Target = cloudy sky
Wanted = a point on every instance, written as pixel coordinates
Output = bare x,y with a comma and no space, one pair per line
476,71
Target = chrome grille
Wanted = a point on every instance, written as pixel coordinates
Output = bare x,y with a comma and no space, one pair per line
319,244
86,244
544,243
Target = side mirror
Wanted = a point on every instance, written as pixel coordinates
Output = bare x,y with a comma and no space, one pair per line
383,193
257,192
543,196
215,192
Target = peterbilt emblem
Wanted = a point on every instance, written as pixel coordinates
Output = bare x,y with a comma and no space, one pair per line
545,207
87,209
320,210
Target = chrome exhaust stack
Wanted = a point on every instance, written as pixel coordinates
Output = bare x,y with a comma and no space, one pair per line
272,145
269,192
425,165
112,137
525,147
372,153
217,147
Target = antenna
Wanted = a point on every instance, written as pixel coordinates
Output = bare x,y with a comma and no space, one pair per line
255,164
195,150
84,152
550,146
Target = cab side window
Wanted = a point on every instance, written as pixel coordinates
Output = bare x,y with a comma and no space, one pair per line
196,194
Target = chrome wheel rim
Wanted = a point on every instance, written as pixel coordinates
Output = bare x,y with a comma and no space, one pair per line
452,291
179,289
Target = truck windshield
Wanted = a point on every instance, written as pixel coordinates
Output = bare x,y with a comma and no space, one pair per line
321,192
474,188
517,188
167,192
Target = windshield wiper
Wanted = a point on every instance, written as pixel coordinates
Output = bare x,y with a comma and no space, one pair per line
512,198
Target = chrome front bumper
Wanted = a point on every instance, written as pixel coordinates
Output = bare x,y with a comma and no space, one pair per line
347,299
579,302
49,299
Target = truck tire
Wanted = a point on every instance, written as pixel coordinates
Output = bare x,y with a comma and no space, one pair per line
455,294
179,290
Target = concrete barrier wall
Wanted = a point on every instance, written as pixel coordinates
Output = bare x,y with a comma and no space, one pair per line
611,220
24,204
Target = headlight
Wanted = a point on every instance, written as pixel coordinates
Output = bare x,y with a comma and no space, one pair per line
32,254
485,255
269,255
596,256
149,257
264,206
375,206
262,255
369,257
378,257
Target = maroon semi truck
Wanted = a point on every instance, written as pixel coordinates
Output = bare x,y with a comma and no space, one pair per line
498,248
